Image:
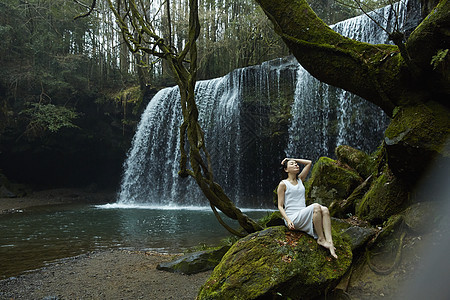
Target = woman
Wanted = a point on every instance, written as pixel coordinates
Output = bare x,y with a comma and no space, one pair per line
313,219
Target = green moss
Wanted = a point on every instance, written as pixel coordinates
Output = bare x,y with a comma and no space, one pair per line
330,181
386,196
276,261
356,159
423,126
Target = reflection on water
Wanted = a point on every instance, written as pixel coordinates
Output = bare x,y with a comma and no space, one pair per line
30,239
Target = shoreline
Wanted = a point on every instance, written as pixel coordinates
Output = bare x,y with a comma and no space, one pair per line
57,196
104,274
109,274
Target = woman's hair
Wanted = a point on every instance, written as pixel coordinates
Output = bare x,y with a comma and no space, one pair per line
283,173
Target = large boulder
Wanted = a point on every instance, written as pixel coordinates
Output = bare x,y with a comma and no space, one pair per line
276,261
357,234
195,262
356,159
387,196
330,181
421,217
417,135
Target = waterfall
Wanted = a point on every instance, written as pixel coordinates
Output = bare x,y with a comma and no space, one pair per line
243,115
316,132
232,112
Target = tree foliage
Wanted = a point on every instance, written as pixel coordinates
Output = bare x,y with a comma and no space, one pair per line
47,58
48,117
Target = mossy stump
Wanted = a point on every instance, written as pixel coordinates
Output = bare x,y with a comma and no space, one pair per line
276,261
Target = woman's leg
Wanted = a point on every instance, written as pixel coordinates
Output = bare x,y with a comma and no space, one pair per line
326,224
318,222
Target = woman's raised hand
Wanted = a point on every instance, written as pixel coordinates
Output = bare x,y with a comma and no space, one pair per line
284,160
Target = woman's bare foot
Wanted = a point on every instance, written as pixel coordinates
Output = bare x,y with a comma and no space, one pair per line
328,245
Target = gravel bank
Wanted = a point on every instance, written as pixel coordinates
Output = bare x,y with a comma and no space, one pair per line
117,274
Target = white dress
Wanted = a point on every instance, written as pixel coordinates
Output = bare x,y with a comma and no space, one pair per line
296,209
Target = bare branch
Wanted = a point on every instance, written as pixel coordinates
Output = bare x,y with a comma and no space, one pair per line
91,9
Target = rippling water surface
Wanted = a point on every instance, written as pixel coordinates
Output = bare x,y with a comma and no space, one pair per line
35,237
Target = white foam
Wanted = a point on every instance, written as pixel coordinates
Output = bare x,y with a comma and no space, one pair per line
169,207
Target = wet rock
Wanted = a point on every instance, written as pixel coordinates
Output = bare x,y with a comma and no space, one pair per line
359,236
196,262
277,262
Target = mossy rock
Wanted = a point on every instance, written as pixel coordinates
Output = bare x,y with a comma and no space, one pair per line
276,261
421,217
417,135
196,262
356,159
346,207
358,236
330,181
274,219
387,196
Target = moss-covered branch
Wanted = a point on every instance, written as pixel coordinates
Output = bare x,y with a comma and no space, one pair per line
378,73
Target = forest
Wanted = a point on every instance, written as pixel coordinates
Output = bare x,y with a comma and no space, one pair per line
70,89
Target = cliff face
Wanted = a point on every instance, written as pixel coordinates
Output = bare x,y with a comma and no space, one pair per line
90,153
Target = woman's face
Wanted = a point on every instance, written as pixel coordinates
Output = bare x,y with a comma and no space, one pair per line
292,167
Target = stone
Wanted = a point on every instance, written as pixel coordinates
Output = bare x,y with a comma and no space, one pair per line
356,159
277,262
330,181
195,262
359,236
420,217
386,196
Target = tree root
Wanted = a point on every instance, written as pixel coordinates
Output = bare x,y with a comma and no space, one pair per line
231,230
394,265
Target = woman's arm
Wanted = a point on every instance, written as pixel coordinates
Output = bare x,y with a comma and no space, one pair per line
307,166
280,192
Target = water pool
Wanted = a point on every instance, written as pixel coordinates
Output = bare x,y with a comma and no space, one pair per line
41,235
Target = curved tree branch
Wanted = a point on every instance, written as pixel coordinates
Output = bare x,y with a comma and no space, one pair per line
133,21
91,9
369,71
385,75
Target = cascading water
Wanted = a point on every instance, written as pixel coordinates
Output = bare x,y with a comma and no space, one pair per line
233,128
245,117
314,131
